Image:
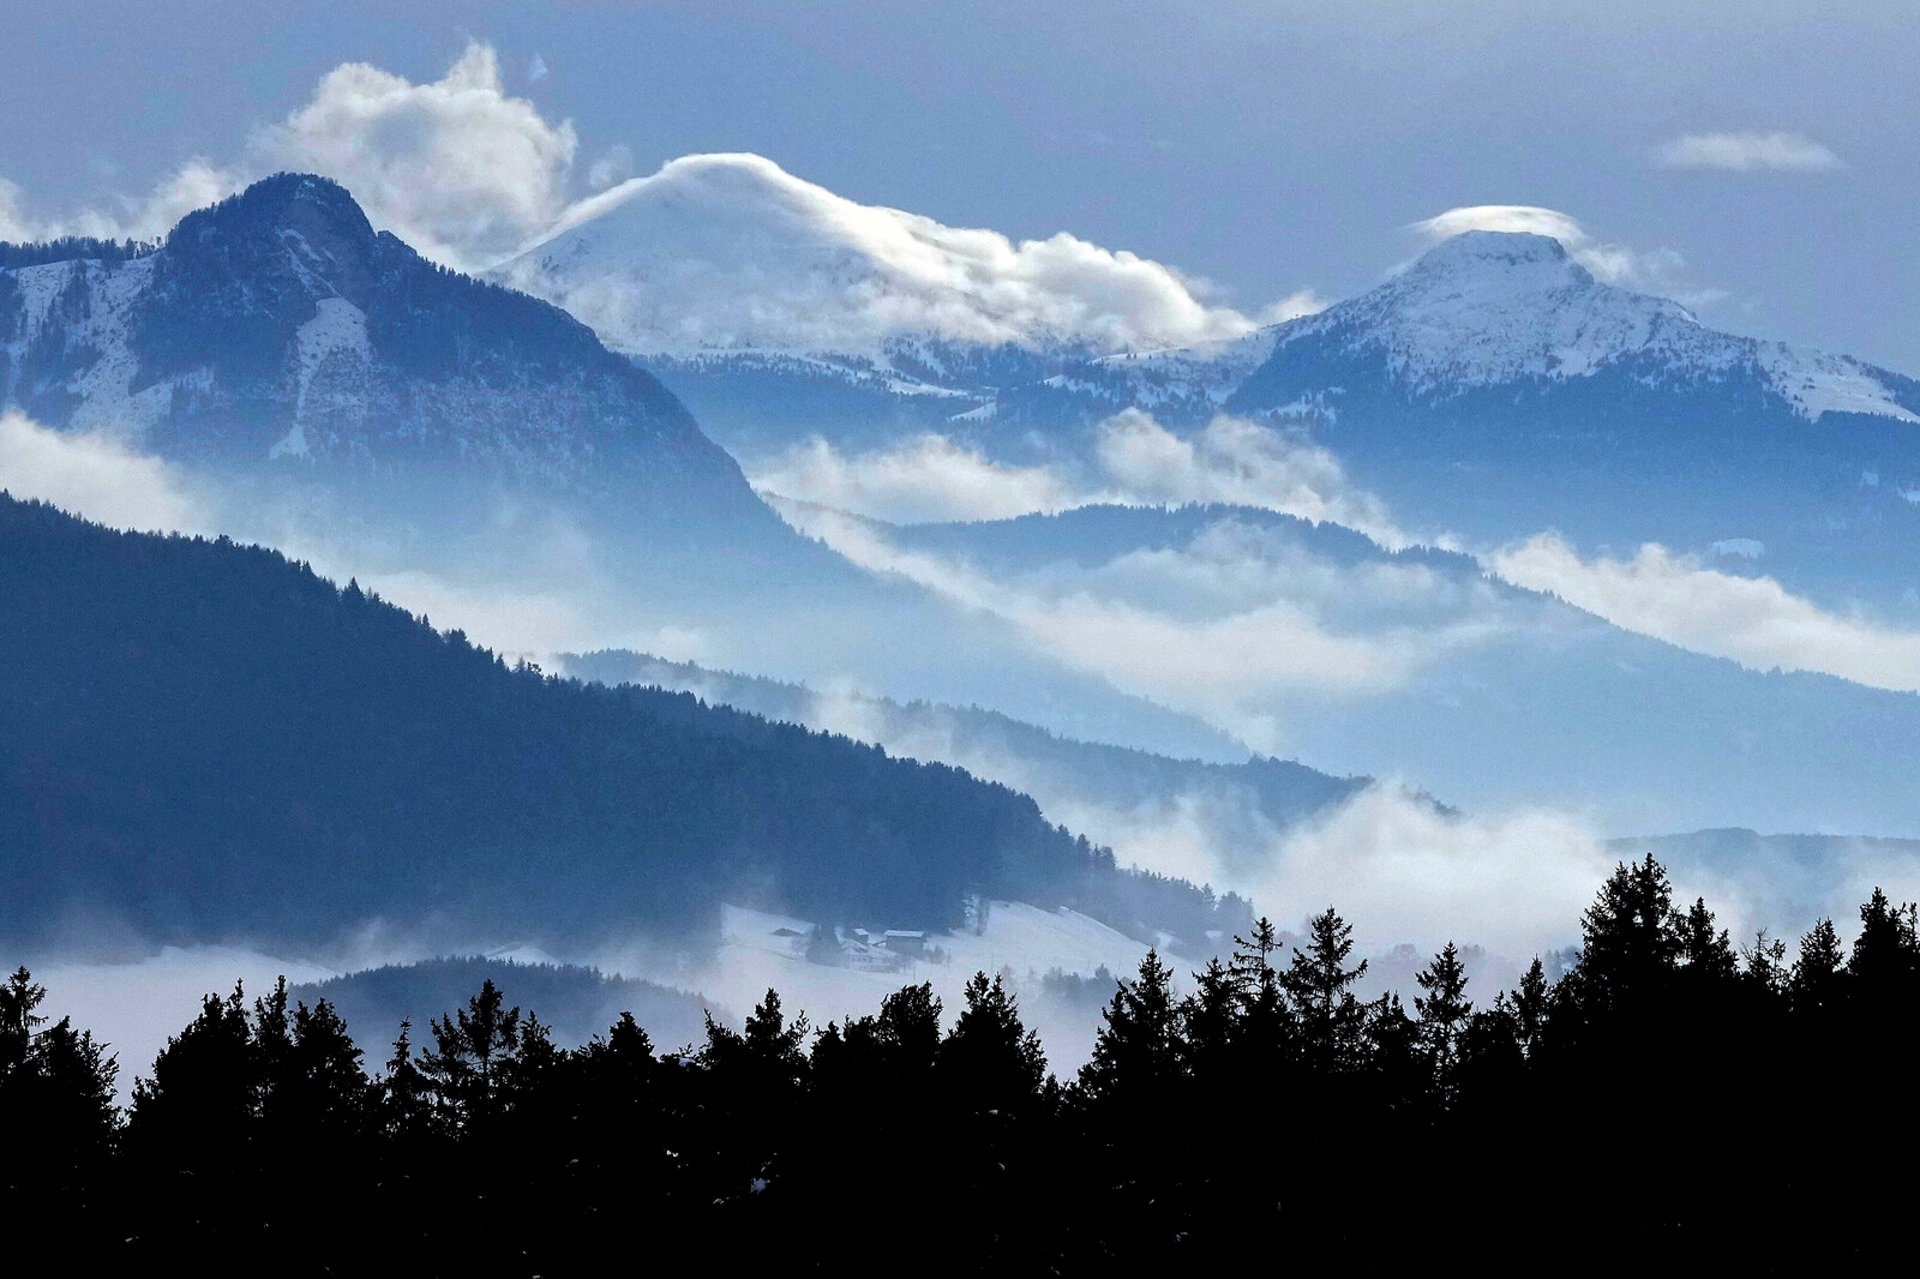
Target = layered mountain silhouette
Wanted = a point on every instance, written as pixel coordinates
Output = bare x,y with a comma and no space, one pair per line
1231,801
1498,697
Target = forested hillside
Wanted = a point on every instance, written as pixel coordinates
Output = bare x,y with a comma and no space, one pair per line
206,740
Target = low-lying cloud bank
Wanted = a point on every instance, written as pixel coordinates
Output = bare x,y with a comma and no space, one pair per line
1216,626
1195,629
97,476
1240,462
1135,462
927,478
1752,620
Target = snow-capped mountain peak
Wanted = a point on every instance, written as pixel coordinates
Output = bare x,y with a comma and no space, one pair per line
277,333
1539,261
1487,308
730,253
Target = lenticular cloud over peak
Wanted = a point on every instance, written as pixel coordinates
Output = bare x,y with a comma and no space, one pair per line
732,252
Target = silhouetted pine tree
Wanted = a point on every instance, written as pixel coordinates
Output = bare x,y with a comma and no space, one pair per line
1137,1051
1266,1029
1443,1011
58,1120
1764,965
990,1059
470,1067
1320,984
1820,971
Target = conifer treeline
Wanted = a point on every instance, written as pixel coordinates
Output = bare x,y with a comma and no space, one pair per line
1670,1101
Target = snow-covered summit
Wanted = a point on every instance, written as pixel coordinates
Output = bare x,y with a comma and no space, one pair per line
733,253
1485,308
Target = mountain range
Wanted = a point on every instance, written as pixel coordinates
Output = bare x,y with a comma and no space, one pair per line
1418,664
1492,389
280,351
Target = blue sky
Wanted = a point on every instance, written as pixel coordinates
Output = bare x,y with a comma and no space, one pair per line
1267,146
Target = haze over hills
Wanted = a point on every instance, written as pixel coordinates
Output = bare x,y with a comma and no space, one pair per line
1123,798
232,351
1418,664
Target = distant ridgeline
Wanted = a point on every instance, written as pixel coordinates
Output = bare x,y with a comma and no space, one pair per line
205,740
576,1002
1044,764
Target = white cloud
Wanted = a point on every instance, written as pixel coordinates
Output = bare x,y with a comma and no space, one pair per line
1291,307
731,251
1660,270
614,165
1748,153
1525,218
1237,461
926,478
713,250
95,476
195,184
536,69
1137,462
14,222
455,167
1186,629
1399,870
1753,621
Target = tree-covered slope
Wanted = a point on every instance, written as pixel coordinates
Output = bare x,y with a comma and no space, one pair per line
205,740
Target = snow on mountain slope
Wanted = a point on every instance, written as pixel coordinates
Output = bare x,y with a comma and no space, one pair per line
278,333
1487,307
731,252
1190,379
1496,388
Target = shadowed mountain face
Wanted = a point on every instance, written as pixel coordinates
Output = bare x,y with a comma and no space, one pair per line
206,741
277,337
